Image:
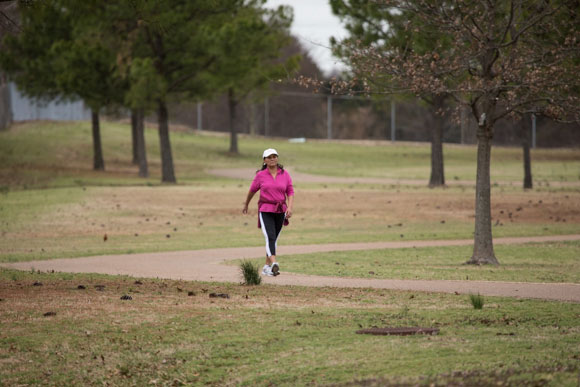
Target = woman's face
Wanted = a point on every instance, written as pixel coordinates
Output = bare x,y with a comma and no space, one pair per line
271,161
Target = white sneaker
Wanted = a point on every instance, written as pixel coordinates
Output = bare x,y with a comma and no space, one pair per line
267,270
275,269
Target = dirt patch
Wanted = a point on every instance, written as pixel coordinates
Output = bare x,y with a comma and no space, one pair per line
66,300
407,331
161,210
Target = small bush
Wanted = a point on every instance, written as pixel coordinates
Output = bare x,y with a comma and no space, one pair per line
251,273
476,301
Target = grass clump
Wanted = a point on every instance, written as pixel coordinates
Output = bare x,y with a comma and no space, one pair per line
251,273
477,301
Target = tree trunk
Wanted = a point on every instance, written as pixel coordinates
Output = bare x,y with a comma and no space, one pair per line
233,134
134,136
437,175
167,173
140,140
98,162
253,118
483,243
526,147
5,104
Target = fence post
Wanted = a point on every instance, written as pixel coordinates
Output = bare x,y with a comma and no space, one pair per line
329,117
393,121
533,131
199,116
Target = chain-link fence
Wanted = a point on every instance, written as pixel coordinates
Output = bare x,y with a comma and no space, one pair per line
295,114
305,115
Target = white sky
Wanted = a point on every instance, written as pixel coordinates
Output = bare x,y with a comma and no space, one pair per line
313,25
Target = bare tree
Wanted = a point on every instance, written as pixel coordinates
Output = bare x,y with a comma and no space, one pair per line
525,134
507,58
374,25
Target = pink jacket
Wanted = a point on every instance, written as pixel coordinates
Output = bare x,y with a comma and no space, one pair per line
273,192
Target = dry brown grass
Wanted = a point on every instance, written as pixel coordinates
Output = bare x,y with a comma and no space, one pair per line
151,210
22,298
141,219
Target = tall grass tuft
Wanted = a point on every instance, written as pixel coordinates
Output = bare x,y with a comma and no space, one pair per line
476,301
251,273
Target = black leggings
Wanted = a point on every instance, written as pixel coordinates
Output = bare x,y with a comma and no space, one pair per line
271,226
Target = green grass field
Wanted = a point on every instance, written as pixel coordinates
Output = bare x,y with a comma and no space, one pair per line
52,205
532,262
55,154
173,333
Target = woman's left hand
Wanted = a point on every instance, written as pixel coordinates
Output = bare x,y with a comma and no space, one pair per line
288,213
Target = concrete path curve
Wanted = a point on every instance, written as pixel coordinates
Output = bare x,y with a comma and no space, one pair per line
207,265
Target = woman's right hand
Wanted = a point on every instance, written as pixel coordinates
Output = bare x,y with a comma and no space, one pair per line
247,202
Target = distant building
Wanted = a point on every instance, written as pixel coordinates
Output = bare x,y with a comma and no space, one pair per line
18,107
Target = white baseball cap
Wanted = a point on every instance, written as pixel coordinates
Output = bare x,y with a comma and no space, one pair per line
269,152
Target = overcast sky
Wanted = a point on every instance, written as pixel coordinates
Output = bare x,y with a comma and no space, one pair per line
313,25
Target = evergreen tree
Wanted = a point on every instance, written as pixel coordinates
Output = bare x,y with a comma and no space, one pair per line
145,89
182,40
56,55
249,62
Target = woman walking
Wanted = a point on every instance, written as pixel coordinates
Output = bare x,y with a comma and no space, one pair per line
275,185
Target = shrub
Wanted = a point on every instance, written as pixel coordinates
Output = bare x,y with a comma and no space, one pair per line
251,273
476,301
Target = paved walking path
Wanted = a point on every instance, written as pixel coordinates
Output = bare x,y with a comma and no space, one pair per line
207,265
